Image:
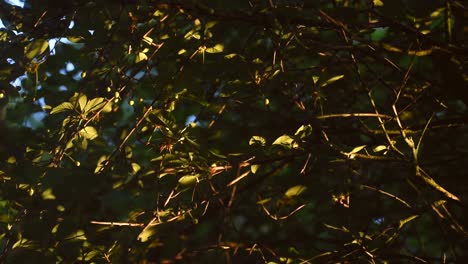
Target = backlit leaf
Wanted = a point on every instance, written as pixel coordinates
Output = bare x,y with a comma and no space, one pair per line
94,104
257,140
295,191
332,80
357,149
140,57
65,106
215,49
188,180
283,140
36,48
254,168
89,132
82,101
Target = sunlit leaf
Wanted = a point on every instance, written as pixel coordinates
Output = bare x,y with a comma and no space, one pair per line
65,106
135,167
303,131
379,148
77,235
36,48
94,104
254,168
82,101
257,140
343,228
230,56
146,234
140,57
188,180
264,201
75,39
315,79
89,133
357,149
378,2
283,140
100,163
48,195
215,49
407,220
295,191
332,80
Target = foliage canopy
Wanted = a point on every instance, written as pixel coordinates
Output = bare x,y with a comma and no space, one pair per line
233,131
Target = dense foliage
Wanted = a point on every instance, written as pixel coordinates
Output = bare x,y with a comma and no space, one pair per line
280,131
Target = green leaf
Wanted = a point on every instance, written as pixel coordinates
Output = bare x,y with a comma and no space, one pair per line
357,149
82,101
48,194
254,168
231,55
303,131
379,148
77,235
88,132
36,48
257,140
140,57
100,163
94,104
189,180
407,220
315,79
65,106
135,167
264,201
378,2
146,234
332,80
284,140
215,49
295,191
75,39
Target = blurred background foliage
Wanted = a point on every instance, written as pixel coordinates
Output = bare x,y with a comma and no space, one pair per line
262,131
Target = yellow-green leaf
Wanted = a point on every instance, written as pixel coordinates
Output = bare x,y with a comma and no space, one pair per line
135,167
100,163
303,131
406,220
295,191
48,194
94,104
332,80
230,56
36,48
146,234
254,168
78,235
315,79
62,107
264,201
89,132
380,148
357,149
82,101
188,180
257,140
283,140
75,39
378,2
140,57
215,49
